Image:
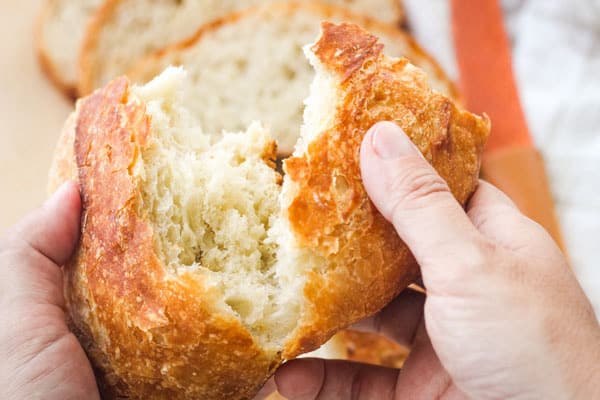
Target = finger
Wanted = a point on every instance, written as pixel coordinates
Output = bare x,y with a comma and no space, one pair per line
408,192
399,320
53,229
423,376
313,378
496,216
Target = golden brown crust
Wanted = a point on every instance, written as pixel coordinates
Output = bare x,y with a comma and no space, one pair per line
369,348
401,12
64,167
146,67
330,211
418,56
349,56
44,58
162,339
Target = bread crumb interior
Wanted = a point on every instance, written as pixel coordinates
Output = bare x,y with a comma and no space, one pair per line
213,202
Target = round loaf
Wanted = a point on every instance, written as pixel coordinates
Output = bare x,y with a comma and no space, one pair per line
198,272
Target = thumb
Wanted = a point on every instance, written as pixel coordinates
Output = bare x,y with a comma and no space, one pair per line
52,229
417,201
32,250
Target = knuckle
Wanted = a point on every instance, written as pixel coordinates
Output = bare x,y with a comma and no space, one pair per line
477,256
484,217
480,253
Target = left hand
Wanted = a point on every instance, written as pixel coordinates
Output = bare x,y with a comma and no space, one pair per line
40,357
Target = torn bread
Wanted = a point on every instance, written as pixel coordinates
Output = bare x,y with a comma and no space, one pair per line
249,66
60,31
198,272
124,31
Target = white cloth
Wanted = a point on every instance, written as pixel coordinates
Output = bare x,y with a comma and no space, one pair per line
556,57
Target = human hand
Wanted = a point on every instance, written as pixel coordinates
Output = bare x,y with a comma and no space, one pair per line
40,357
504,317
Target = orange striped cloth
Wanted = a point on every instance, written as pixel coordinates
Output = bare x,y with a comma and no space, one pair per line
487,82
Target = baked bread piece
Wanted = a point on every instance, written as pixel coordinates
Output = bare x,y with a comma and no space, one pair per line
60,29
248,66
196,272
362,347
123,31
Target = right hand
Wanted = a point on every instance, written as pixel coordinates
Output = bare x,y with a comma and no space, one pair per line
504,316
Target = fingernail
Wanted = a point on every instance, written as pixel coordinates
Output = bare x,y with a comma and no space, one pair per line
390,141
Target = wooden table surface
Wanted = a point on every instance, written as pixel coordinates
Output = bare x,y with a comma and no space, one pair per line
32,112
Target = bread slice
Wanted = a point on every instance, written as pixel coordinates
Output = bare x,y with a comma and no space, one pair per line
125,30
197,272
60,30
248,66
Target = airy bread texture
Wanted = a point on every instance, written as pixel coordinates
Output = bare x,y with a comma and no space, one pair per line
247,67
211,206
124,31
197,271
60,32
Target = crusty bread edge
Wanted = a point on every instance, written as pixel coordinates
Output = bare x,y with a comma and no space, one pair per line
400,13
90,42
440,74
69,89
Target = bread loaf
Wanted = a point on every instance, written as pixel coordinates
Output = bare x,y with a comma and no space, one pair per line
248,66
198,271
123,31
